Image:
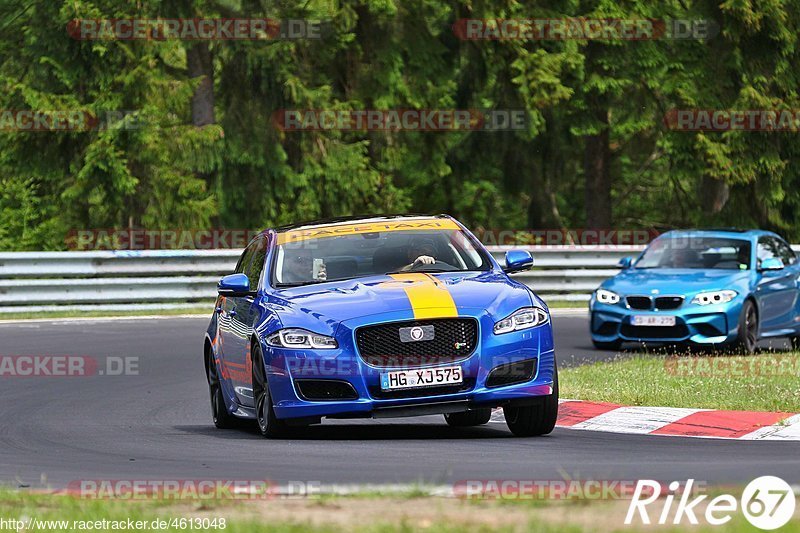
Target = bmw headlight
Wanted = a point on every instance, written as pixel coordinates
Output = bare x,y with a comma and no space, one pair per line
527,317
714,297
300,338
604,296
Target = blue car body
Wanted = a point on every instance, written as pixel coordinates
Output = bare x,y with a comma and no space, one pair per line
339,309
771,287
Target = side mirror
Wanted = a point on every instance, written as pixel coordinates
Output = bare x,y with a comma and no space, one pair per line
517,261
625,262
771,263
234,285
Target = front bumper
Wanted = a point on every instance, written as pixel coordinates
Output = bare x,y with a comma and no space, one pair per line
702,325
285,367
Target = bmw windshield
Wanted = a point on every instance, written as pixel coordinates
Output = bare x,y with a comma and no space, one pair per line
340,252
697,253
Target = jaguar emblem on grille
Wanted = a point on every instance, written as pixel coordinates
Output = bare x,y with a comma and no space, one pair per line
460,345
417,333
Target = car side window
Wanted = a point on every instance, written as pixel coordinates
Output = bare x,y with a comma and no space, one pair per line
243,259
785,252
767,248
256,263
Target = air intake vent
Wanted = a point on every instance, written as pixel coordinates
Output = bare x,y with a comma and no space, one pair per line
325,389
511,373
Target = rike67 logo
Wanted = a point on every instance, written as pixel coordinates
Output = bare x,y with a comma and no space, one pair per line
767,502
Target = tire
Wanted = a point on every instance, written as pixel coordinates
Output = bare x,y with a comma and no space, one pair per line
268,424
613,345
747,338
219,410
537,419
795,343
473,417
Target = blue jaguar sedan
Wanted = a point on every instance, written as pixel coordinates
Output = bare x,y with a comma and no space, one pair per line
724,288
385,316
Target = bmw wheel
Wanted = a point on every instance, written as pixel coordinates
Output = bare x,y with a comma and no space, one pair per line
537,419
747,338
473,417
268,424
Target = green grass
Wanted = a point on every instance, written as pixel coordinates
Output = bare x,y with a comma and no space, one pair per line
763,382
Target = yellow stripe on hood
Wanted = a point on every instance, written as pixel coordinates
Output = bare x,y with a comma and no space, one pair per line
429,298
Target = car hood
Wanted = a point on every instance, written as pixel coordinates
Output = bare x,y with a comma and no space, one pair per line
674,280
401,295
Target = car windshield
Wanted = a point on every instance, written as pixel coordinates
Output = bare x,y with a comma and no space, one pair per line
345,252
697,252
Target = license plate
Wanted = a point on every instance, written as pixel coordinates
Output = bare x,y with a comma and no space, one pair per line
653,320
423,377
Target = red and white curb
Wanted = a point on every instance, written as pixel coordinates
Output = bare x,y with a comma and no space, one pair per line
675,421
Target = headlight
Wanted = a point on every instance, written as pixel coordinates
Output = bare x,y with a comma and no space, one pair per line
606,297
525,318
714,297
300,338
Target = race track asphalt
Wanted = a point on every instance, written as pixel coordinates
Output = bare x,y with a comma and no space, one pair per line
157,425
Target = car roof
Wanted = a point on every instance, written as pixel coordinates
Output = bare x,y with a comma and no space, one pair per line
355,219
732,233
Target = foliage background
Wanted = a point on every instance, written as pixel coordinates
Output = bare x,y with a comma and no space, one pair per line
597,153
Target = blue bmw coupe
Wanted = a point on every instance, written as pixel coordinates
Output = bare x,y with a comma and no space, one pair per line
379,317
725,288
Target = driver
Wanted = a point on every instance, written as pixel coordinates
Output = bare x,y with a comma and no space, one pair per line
421,251
299,267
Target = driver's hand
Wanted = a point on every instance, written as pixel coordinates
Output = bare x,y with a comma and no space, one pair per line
323,273
424,260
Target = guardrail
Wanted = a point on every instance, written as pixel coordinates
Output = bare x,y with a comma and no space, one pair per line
162,279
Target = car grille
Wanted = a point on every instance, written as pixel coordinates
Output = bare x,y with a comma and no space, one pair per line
508,374
679,331
639,302
325,389
454,339
379,394
664,303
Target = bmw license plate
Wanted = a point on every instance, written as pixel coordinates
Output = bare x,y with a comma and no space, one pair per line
653,320
422,377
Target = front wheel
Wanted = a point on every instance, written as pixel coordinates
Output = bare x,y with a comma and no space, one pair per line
268,424
537,419
795,342
219,410
747,338
473,417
